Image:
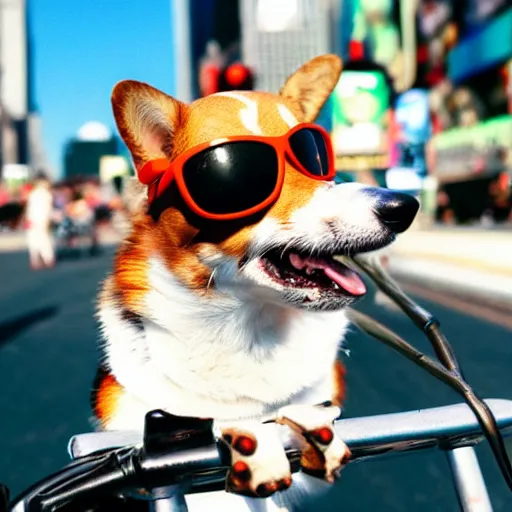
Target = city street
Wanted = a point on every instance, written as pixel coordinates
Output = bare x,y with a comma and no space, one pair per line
47,364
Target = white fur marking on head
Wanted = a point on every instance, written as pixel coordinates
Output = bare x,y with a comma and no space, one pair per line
287,116
249,115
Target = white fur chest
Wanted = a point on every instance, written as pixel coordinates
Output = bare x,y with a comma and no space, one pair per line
228,350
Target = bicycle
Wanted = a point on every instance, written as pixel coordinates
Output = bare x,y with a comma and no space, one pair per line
176,456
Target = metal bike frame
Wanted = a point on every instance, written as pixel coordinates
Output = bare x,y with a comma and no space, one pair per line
467,477
468,480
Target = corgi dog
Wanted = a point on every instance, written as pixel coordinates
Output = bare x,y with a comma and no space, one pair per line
225,300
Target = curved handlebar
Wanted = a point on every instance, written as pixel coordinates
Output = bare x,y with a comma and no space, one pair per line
107,462
451,425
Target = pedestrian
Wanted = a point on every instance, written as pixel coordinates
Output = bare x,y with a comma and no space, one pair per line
38,214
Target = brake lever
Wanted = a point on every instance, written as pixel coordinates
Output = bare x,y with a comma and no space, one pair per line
164,431
175,447
447,369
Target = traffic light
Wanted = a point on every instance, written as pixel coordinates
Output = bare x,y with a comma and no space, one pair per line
235,77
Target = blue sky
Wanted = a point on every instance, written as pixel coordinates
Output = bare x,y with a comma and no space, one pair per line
82,48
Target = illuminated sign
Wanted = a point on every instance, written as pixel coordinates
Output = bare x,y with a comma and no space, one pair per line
486,48
360,104
412,113
475,151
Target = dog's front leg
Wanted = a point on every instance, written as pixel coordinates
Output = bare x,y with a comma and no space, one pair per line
259,466
324,453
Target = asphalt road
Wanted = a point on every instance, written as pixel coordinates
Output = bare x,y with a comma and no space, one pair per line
47,362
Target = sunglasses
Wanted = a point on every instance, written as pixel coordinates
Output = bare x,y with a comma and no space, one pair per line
239,176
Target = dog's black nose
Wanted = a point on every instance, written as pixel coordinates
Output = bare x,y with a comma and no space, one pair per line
394,209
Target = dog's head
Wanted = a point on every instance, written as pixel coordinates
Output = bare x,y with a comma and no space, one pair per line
285,252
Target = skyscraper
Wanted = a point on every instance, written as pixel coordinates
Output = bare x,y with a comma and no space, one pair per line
83,153
20,140
280,36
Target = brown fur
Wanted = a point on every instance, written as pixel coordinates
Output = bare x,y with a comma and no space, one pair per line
312,459
145,118
105,396
310,86
339,387
155,125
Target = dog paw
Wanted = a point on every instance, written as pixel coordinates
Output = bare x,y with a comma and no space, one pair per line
259,466
324,453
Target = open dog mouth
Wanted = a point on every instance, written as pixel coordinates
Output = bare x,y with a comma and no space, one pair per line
295,269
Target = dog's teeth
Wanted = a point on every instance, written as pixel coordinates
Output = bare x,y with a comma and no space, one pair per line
336,287
309,271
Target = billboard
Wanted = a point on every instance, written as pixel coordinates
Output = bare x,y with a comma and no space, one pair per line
360,114
490,46
413,130
375,35
412,115
465,153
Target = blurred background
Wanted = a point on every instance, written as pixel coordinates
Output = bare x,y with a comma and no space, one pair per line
424,106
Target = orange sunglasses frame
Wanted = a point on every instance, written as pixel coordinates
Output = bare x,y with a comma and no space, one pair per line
159,173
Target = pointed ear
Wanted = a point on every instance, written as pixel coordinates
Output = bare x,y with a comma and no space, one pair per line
146,119
310,86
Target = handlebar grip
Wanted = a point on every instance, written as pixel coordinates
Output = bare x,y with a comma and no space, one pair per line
171,467
195,449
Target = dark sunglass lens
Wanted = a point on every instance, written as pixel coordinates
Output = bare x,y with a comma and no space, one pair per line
310,149
232,177
321,146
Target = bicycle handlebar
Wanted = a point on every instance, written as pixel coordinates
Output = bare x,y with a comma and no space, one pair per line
108,462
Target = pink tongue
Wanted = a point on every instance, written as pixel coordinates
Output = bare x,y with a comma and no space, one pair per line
346,279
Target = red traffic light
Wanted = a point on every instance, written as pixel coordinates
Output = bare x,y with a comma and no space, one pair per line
236,74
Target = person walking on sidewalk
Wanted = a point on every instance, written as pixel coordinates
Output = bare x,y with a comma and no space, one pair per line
39,215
